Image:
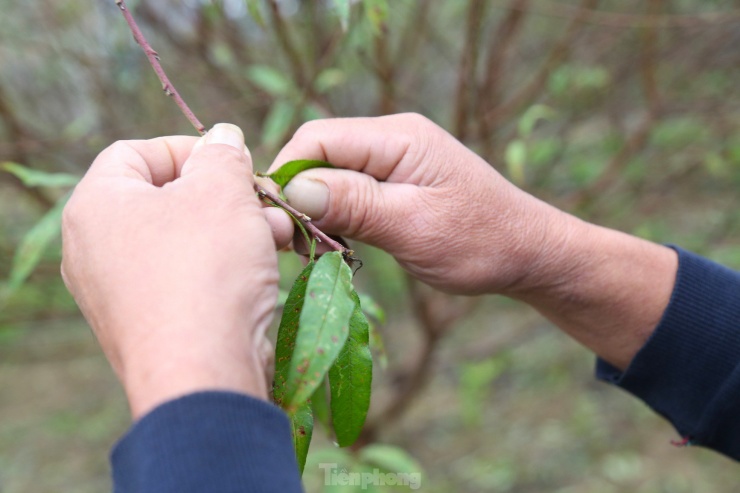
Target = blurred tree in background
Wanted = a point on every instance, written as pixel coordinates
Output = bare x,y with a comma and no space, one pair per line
625,113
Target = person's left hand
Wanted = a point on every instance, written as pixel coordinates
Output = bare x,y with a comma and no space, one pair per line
172,261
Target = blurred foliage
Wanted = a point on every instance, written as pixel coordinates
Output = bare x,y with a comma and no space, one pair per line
625,113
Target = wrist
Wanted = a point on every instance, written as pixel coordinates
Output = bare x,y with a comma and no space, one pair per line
606,289
544,249
151,378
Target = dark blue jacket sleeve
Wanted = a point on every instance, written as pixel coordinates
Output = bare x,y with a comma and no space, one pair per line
689,370
217,442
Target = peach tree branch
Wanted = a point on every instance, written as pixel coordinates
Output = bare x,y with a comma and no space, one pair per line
170,90
153,56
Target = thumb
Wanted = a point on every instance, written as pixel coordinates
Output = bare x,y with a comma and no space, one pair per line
221,149
350,203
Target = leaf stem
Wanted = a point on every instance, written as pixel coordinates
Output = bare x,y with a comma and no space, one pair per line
167,86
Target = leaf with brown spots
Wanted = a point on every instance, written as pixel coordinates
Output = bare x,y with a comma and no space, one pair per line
288,332
324,326
301,427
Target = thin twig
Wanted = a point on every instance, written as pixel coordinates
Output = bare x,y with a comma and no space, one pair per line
153,57
170,90
304,219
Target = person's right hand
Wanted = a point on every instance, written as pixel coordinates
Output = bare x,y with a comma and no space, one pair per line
411,189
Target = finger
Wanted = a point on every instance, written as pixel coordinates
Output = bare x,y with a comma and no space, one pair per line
353,204
156,161
386,148
281,225
220,151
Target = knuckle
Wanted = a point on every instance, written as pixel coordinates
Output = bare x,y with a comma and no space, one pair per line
310,129
70,213
120,146
415,118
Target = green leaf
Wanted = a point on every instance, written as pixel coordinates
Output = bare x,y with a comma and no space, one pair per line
350,380
277,122
35,178
33,245
530,118
328,79
301,427
377,346
515,156
343,10
320,406
253,7
390,459
377,14
288,171
324,326
371,308
270,80
476,379
312,111
288,331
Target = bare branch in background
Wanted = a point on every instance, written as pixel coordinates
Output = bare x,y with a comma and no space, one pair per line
413,33
436,314
385,73
468,65
531,91
19,137
286,43
588,15
490,90
639,138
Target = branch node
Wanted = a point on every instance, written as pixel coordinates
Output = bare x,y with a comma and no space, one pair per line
153,58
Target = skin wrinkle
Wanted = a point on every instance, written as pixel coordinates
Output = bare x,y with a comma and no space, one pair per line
173,160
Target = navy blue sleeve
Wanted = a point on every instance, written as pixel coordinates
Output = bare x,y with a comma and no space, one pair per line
689,369
217,442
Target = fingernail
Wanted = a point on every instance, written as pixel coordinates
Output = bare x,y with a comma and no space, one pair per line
227,134
311,197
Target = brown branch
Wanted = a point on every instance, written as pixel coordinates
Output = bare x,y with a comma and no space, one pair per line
467,69
613,19
283,34
412,33
171,91
648,61
19,137
385,73
436,313
167,86
490,89
639,138
530,91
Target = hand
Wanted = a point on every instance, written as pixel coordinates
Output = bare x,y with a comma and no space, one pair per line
446,216
453,222
172,261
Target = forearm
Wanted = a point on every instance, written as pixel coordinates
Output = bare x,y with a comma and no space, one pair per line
606,289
